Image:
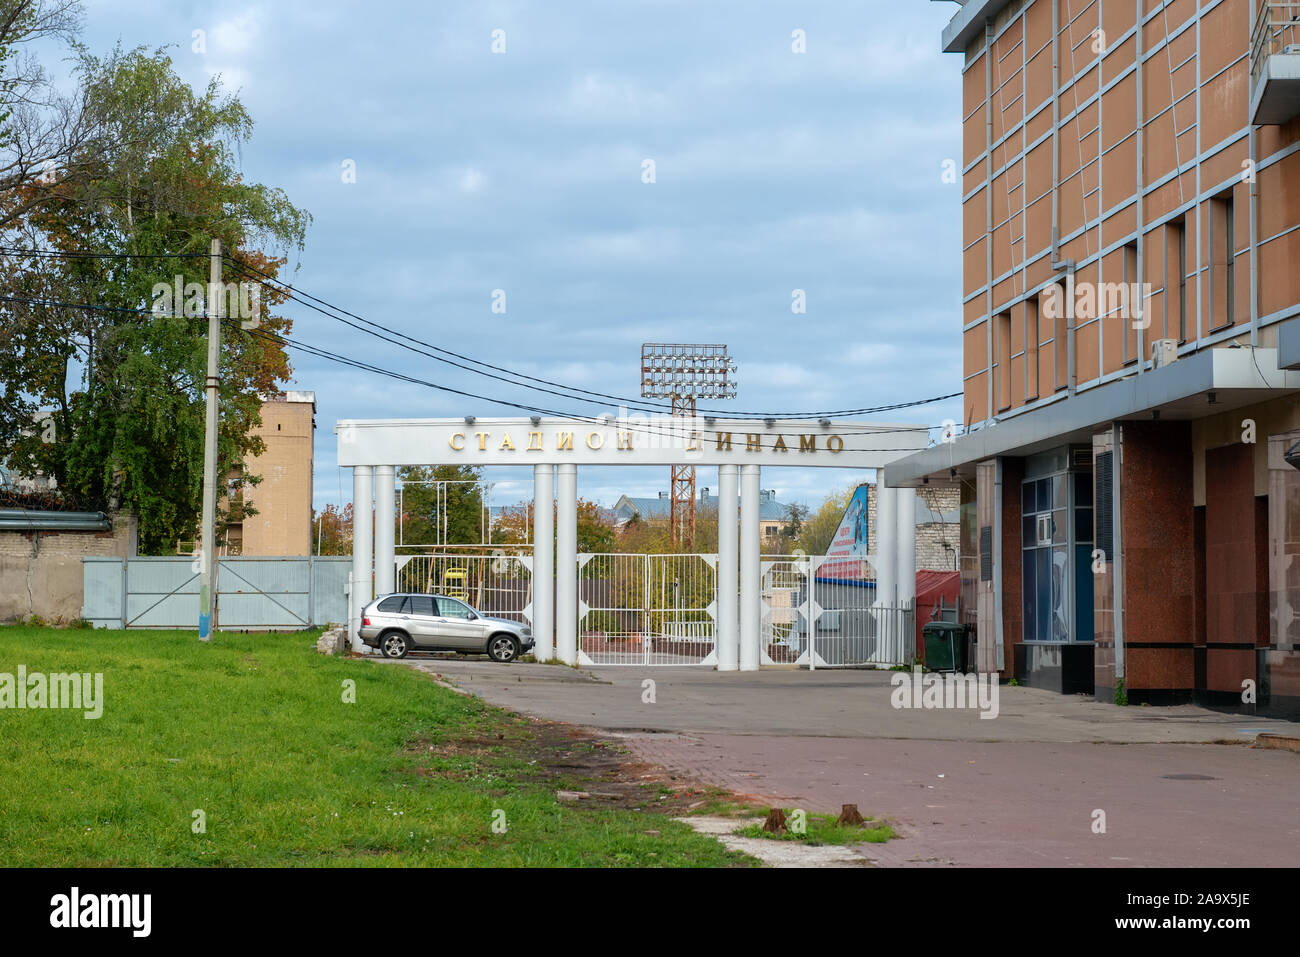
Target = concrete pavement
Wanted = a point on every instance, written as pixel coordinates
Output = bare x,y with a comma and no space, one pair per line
1023,789
833,703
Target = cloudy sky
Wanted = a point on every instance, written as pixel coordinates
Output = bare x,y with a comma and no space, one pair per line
522,171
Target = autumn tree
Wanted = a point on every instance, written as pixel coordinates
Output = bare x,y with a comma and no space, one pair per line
334,530
125,378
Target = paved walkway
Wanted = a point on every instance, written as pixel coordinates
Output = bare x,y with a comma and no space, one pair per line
1019,790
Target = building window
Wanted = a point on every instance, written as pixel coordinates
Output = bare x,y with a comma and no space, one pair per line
1056,552
1134,307
1031,348
1223,246
1003,332
1176,287
1061,344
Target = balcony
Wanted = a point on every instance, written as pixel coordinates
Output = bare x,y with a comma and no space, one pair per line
1275,63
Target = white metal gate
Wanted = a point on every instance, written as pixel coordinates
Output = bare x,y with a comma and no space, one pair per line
849,625
646,609
497,583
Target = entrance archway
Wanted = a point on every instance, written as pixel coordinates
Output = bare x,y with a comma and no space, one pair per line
556,447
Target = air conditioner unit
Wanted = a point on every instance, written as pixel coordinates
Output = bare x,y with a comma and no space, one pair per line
1163,352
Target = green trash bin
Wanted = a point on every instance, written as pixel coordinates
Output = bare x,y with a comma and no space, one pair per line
945,646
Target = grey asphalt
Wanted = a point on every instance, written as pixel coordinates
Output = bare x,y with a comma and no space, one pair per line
1022,789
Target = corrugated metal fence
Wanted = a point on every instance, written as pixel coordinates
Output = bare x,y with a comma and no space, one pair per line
255,594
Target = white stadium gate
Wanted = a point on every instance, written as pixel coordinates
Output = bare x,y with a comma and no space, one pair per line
734,610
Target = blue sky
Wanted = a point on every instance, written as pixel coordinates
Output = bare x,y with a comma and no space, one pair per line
522,171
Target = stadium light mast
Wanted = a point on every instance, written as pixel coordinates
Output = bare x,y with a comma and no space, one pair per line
683,373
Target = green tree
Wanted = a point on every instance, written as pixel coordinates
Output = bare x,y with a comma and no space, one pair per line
442,503
127,389
817,530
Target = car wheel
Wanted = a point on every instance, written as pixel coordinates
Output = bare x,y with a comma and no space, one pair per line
394,645
502,648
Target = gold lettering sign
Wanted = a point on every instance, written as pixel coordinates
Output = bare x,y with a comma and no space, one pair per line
482,440
753,441
625,441
535,442
564,441
835,443
724,441
595,440
506,444
693,443
779,444
807,443
452,442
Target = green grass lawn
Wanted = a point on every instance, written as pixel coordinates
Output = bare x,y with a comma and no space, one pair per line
253,731
824,829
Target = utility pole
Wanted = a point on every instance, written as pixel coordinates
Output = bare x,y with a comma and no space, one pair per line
208,544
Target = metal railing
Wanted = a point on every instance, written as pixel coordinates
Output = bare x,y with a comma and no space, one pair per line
646,609
1277,27
497,583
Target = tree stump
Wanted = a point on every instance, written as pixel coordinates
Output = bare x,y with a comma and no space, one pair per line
775,823
849,815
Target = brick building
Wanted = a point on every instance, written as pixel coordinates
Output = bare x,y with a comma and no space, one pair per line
283,499
1130,192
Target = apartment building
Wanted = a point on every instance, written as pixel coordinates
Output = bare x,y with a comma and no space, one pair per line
1130,321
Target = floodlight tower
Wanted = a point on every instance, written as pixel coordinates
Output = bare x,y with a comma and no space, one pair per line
684,373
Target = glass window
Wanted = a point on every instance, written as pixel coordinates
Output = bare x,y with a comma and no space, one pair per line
1029,497
1082,487
393,605
421,605
1083,525
1029,531
1031,613
1059,491
450,608
1043,581
1059,527
1060,595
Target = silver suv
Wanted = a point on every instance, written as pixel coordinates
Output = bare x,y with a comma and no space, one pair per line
396,624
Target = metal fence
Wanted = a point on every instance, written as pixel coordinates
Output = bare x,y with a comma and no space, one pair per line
497,583
646,609
253,594
639,609
842,619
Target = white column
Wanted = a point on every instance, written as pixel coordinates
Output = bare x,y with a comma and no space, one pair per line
544,562
362,478
886,543
566,563
726,645
385,522
905,506
751,569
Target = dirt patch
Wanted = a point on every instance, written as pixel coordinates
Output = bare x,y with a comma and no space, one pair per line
562,757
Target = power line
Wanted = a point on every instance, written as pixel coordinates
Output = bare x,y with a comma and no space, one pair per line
593,420
569,392
78,254
368,367
302,297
